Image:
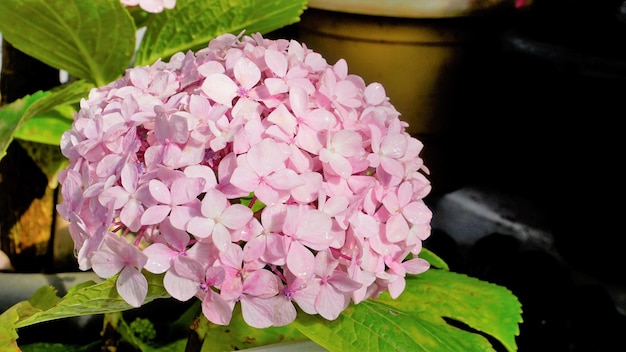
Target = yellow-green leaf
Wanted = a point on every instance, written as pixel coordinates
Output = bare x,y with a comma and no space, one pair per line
415,320
193,23
93,40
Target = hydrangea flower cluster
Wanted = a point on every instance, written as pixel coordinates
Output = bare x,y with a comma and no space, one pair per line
154,6
251,171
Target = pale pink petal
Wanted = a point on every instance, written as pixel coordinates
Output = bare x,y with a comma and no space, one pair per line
308,139
347,143
204,172
254,248
132,286
305,297
117,196
261,283
341,282
200,227
417,213
216,309
275,85
106,264
232,256
155,214
284,119
185,189
300,261
220,88
336,205
211,67
375,94
257,312
236,216
179,127
309,191
160,257
181,214
416,265
179,287
314,229
275,249
247,73
159,191
214,203
337,163
329,303
131,215
284,179
284,312
245,179
221,236
5,262
392,167
396,287
267,156
276,61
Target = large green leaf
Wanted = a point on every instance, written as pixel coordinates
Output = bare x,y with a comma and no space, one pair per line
434,260
48,127
486,307
47,118
193,23
48,110
83,299
8,333
93,40
12,116
415,320
238,335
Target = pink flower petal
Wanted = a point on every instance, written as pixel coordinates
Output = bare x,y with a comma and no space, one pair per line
155,214
329,303
300,261
132,286
257,312
247,73
200,227
160,191
216,309
220,88
159,258
179,287
236,216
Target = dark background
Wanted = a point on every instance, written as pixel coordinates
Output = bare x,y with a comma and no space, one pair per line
537,111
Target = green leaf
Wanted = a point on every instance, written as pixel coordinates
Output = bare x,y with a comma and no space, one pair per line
48,127
12,116
48,112
47,118
238,335
63,95
434,260
486,307
193,23
89,298
8,335
415,320
60,347
374,326
94,40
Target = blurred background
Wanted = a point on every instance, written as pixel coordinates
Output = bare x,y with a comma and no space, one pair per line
524,141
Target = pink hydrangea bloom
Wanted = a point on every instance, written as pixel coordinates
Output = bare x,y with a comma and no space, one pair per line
153,6
251,172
